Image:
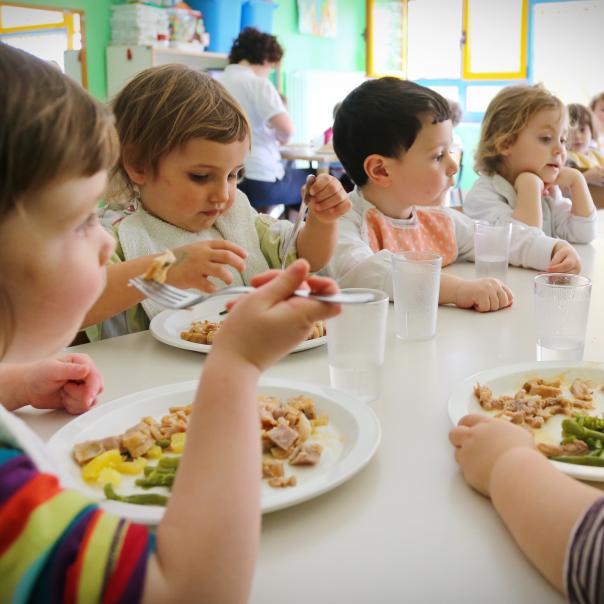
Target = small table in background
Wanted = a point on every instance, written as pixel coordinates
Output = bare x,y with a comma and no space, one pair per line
307,153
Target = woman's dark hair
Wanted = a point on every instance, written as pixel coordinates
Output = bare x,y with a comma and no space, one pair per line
255,47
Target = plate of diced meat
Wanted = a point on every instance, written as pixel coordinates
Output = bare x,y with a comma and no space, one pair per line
126,452
561,403
194,329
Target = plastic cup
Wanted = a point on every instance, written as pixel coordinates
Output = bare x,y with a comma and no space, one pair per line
492,250
416,284
561,309
356,341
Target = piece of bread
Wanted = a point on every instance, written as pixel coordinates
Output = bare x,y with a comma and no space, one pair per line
158,270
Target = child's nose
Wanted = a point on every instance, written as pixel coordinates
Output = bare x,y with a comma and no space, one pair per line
107,247
453,166
220,194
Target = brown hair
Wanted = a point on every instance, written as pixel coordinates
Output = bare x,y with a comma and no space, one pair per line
162,108
596,100
506,116
580,116
50,129
255,47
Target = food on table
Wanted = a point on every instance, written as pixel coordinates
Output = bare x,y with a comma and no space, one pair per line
159,267
287,428
203,332
137,440
537,401
582,442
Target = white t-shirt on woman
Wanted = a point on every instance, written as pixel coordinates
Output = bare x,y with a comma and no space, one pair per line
261,102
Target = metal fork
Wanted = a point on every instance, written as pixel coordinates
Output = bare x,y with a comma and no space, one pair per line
174,297
291,239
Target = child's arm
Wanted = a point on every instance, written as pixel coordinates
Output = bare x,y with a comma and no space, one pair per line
200,260
574,181
71,382
573,219
539,505
317,240
529,188
207,541
483,295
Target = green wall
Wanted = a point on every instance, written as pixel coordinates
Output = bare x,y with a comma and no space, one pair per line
96,15
344,53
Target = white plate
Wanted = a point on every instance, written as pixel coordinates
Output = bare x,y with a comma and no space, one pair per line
349,441
509,379
168,325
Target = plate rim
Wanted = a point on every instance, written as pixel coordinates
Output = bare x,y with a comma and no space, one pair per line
158,331
363,449
594,474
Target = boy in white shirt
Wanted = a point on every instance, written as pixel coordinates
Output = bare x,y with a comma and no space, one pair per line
393,138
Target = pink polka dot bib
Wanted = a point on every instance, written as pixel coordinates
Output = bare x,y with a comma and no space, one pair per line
429,230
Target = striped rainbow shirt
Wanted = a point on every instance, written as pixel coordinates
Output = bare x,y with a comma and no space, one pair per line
57,546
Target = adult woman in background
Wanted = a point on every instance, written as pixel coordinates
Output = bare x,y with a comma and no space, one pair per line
267,181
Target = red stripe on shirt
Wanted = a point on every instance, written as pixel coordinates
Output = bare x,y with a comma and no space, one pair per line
15,514
134,546
72,577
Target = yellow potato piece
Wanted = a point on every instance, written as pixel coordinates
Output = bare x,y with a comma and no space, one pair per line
177,443
131,467
94,467
110,475
154,452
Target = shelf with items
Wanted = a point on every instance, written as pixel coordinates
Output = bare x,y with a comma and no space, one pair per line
123,62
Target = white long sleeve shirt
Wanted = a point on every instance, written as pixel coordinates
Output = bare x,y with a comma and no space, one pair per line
363,260
494,199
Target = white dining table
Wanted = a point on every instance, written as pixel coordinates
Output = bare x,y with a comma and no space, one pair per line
407,528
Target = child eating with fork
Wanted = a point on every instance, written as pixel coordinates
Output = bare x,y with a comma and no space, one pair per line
184,141
57,545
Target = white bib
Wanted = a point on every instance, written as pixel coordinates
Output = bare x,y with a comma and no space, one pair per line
142,234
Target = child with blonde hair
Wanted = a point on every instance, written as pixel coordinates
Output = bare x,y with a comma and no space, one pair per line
520,158
393,138
56,146
581,154
184,141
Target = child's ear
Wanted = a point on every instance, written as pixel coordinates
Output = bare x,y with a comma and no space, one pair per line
135,173
376,170
504,148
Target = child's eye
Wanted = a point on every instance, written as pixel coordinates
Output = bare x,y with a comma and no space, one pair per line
236,176
440,156
545,139
198,177
91,221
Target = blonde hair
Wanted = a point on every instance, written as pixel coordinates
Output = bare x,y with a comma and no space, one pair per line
506,116
161,109
50,129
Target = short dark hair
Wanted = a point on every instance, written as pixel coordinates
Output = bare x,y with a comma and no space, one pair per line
382,116
255,47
